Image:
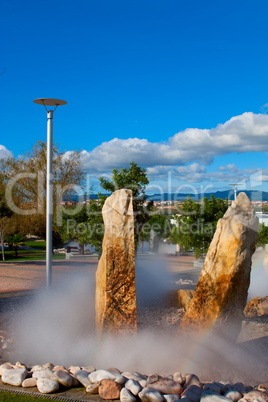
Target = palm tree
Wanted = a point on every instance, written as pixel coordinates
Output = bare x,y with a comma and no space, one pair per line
15,241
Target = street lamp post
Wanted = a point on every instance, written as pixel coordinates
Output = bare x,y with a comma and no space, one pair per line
235,185
49,181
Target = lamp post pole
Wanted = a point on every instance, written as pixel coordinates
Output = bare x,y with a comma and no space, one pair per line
49,199
235,185
49,181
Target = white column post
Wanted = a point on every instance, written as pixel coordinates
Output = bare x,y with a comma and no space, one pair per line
49,199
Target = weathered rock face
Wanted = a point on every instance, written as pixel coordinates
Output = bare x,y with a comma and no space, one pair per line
221,292
257,307
184,297
115,277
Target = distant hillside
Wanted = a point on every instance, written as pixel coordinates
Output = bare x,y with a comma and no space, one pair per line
253,195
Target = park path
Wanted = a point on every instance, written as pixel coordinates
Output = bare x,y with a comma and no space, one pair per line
26,276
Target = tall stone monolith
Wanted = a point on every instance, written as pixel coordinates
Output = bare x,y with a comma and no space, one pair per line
115,277
221,292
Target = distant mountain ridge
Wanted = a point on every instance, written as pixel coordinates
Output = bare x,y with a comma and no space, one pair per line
252,194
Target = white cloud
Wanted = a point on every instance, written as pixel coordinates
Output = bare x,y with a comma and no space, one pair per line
196,174
244,133
228,168
4,152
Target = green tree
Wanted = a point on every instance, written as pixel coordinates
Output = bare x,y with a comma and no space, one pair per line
5,215
197,223
86,226
25,184
135,179
159,227
262,235
15,241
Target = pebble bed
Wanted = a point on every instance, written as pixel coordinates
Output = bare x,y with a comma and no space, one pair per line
112,384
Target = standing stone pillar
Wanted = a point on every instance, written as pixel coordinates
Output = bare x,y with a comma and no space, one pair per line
222,289
115,277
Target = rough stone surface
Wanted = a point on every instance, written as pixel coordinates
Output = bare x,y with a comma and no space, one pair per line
99,375
255,395
92,388
151,395
90,369
177,376
213,387
14,376
221,292
133,386
256,307
132,390
63,378
184,296
193,393
115,277
126,395
134,376
74,369
82,376
211,397
171,397
57,368
47,386
191,379
109,389
45,366
4,367
44,373
233,395
164,385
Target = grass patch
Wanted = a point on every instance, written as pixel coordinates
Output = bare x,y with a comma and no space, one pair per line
36,244
37,252
9,396
30,255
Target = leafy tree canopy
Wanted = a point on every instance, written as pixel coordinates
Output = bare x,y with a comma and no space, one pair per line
197,222
133,178
262,235
25,184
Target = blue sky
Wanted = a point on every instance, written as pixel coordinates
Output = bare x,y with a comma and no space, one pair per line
138,77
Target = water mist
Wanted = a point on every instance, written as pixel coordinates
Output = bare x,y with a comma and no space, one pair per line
59,326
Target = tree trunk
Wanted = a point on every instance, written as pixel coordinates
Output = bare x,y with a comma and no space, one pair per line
2,241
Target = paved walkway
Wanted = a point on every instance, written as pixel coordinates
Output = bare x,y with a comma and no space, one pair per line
26,276
30,275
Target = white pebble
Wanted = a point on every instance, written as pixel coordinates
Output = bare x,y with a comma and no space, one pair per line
44,373
4,367
47,386
93,388
63,378
171,397
151,395
133,386
99,375
82,376
14,376
126,395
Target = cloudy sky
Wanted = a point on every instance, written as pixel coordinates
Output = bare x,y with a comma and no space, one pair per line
179,87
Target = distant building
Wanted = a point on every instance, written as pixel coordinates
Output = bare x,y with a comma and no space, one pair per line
263,218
